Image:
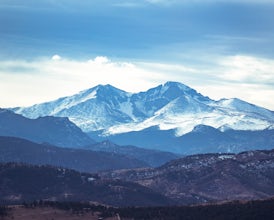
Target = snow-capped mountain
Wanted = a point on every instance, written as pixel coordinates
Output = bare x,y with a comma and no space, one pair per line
169,106
93,109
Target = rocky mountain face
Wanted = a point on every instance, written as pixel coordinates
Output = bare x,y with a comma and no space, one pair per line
209,178
22,151
25,183
53,130
162,115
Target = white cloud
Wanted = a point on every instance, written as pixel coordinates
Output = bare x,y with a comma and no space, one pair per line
49,79
246,77
56,57
100,60
248,69
25,83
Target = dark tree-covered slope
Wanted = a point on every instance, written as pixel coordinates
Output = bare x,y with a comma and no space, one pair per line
20,150
20,183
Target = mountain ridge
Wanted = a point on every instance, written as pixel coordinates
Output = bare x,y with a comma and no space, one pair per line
153,158
58,131
202,139
114,111
165,116
19,150
206,178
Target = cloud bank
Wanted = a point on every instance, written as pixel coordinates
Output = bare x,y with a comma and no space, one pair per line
29,82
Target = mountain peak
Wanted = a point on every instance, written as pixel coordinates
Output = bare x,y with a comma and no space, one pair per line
174,90
175,87
179,85
101,88
106,86
171,105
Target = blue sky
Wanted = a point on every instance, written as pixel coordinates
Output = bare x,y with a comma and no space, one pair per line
221,48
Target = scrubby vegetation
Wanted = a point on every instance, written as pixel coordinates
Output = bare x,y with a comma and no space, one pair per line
74,207
252,210
249,211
